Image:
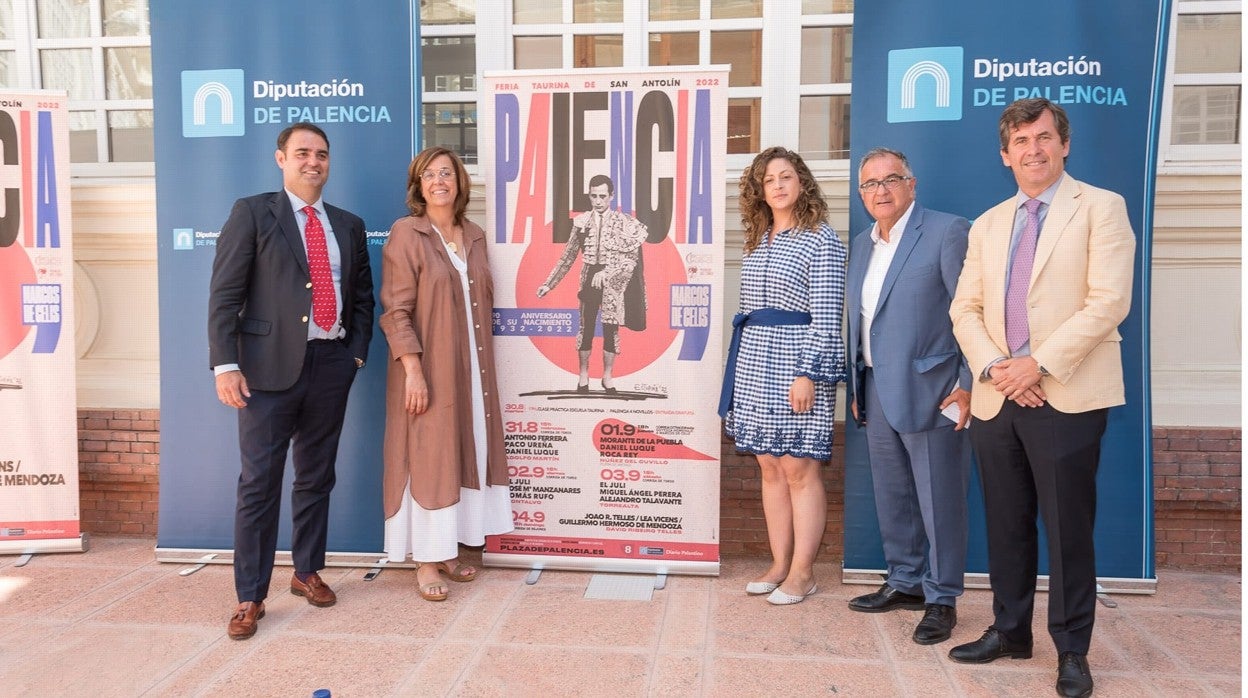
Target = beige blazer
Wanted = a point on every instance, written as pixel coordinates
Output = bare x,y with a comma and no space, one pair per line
1080,292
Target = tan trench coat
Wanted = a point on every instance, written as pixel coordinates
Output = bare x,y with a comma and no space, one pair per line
423,312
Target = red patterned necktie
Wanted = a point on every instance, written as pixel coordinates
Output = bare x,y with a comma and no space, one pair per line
324,305
1017,331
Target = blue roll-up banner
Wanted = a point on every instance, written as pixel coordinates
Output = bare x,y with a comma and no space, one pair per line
931,80
229,75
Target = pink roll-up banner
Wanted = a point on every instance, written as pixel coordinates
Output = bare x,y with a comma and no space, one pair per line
38,394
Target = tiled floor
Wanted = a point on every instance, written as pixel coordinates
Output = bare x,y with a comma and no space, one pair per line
113,622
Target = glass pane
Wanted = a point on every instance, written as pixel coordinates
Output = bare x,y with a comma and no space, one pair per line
539,52
598,51
744,117
826,7
129,72
450,125
63,18
70,70
82,137
126,18
661,10
742,50
827,54
823,127
1207,44
6,20
597,10
536,12
8,69
448,63
728,9
1205,114
674,49
448,12
130,136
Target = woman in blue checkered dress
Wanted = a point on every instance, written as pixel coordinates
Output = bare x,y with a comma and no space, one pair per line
790,357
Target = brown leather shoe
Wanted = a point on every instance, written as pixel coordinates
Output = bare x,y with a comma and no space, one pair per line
314,590
245,619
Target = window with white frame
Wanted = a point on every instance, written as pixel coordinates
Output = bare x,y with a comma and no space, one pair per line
99,52
826,63
448,78
776,95
1202,103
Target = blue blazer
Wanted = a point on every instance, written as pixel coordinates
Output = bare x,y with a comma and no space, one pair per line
917,362
260,296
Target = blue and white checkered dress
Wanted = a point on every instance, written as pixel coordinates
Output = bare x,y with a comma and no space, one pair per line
805,272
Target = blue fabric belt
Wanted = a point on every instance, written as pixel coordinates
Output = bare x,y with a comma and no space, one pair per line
762,317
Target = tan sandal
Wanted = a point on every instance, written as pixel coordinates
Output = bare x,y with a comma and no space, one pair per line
461,573
427,590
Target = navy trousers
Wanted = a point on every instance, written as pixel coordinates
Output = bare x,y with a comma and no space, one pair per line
309,414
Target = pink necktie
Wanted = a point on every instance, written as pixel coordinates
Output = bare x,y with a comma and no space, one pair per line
324,305
1016,330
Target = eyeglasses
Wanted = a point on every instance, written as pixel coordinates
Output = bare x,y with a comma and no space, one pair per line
890,183
444,173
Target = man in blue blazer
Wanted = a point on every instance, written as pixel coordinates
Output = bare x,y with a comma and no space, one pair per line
290,315
910,387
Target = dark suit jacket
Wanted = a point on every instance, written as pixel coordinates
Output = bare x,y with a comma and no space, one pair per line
260,298
917,362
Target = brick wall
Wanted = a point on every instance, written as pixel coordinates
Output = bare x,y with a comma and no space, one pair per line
119,470
1196,485
1197,498
743,529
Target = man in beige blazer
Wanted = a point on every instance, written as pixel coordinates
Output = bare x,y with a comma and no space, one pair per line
1046,282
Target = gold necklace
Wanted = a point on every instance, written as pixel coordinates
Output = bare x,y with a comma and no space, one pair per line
450,245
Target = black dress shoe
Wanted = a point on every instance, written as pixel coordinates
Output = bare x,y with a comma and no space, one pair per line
886,599
1074,678
937,624
609,391
992,645
582,388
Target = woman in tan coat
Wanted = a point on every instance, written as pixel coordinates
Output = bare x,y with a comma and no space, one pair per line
445,480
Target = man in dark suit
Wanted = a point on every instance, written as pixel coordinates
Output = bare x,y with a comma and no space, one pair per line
290,315
1046,282
906,369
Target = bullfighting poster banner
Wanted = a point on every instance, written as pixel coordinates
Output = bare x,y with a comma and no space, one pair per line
605,191
38,393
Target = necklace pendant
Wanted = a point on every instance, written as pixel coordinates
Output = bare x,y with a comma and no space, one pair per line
452,247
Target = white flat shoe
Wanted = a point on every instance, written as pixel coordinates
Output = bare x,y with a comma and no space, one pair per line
760,588
780,598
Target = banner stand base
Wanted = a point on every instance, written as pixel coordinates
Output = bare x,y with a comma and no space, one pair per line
979,580
46,545
198,556
577,564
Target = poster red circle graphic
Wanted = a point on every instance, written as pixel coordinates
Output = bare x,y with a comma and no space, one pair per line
15,270
662,267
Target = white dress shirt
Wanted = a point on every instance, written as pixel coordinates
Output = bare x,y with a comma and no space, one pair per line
882,253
